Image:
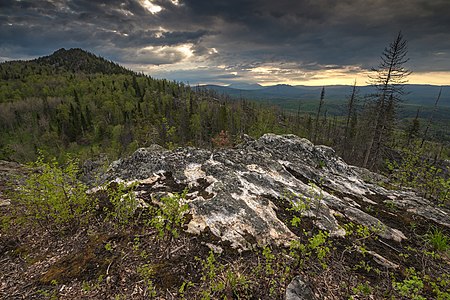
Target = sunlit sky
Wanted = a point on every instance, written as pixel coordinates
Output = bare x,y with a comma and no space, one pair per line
315,42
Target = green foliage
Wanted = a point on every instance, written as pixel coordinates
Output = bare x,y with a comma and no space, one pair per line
147,273
362,232
184,287
363,289
273,272
391,205
220,280
5,223
363,265
209,267
321,164
170,215
108,247
438,240
441,287
318,244
238,283
48,294
52,196
210,271
123,203
316,195
299,205
6,152
95,285
411,287
420,173
269,258
62,103
84,111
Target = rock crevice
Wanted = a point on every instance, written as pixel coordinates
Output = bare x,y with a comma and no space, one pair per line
231,191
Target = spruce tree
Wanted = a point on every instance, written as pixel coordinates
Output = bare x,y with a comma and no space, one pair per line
316,124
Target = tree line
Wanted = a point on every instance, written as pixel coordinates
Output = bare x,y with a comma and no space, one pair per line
62,103
370,132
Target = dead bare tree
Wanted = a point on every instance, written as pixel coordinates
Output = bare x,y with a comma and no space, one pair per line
430,120
351,117
389,79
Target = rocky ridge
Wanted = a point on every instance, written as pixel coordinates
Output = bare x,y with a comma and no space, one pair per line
241,194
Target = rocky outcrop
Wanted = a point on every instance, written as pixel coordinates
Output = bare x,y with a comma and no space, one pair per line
241,194
299,290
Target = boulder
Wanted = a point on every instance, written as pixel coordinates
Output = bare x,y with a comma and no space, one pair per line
299,290
239,194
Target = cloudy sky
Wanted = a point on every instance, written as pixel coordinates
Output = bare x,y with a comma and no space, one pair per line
309,42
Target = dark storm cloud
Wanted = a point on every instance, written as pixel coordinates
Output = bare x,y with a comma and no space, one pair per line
329,32
238,35
39,27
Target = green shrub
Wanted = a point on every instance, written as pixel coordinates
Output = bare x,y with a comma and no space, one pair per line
147,273
411,287
421,174
220,280
437,239
52,196
441,287
170,216
123,203
320,244
363,288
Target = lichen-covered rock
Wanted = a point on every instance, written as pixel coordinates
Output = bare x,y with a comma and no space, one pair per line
235,193
299,290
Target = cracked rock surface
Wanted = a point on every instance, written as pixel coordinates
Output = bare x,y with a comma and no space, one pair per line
237,193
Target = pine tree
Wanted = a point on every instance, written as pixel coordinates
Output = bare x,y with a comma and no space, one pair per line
316,124
413,129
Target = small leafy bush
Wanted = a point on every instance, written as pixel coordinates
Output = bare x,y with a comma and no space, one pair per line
411,287
299,205
220,281
363,288
170,215
123,203
52,196
421,174
320,244
147,273
437,239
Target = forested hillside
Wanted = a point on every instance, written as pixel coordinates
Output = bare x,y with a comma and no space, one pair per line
73,101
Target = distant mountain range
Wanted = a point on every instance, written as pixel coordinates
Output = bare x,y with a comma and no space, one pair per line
418,94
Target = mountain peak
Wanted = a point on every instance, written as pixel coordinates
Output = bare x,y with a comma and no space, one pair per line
64,51
78,60
245,86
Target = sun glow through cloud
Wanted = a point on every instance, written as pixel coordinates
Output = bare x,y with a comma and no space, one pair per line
227,41
436,78
150,6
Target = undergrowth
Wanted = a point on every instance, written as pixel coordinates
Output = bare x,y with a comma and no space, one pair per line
144,251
